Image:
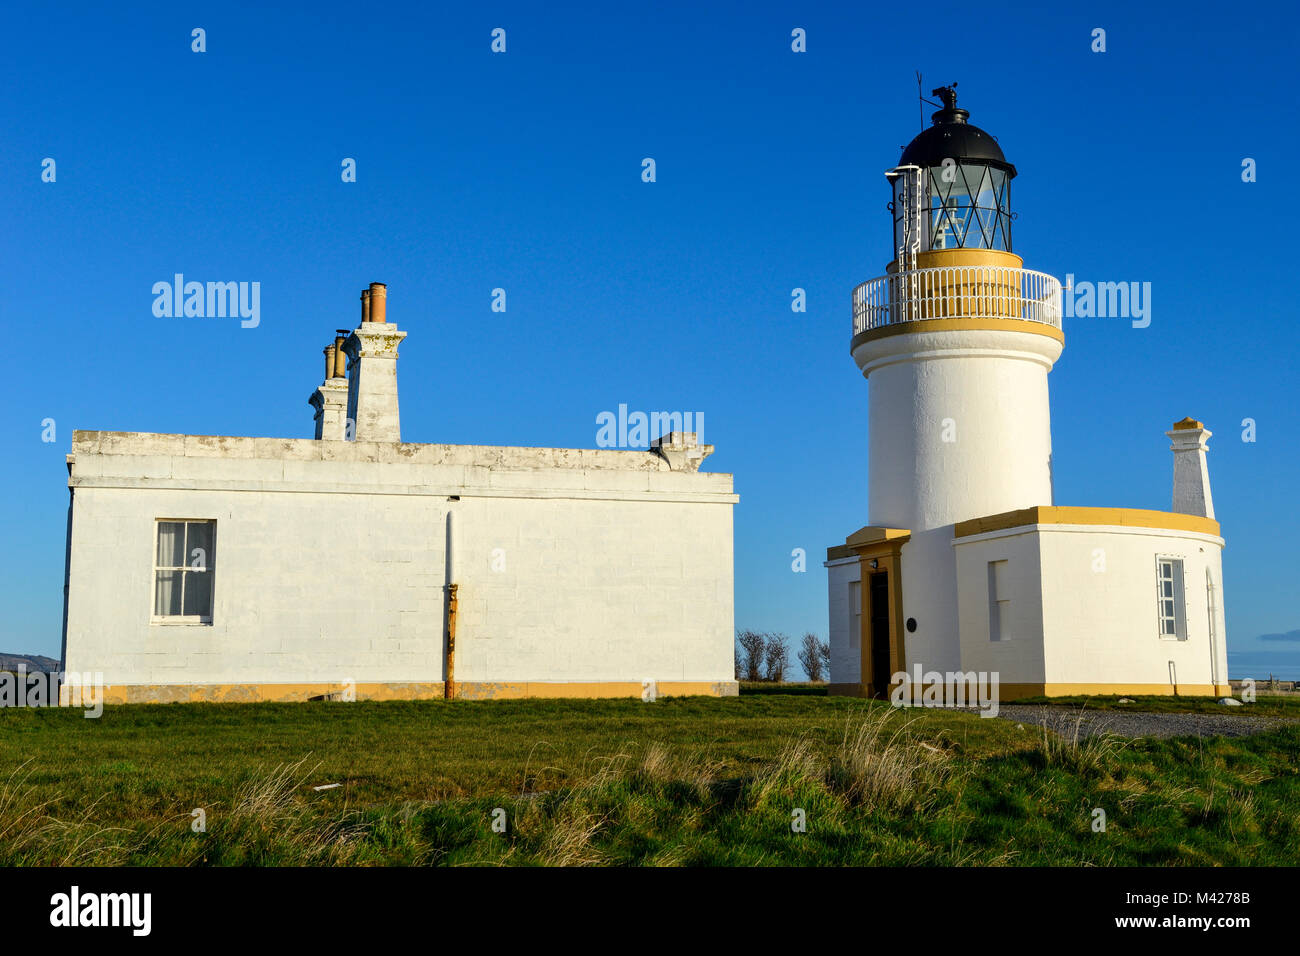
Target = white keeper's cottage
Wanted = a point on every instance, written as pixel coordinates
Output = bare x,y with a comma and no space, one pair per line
224,568
967,564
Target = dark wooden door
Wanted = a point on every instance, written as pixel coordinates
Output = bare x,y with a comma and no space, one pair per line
880,673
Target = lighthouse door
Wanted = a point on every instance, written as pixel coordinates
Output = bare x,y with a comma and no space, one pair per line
879,591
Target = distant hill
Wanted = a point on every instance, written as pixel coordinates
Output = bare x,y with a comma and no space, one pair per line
33,662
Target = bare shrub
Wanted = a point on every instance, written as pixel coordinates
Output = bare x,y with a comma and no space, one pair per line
814,658
776,657
753,650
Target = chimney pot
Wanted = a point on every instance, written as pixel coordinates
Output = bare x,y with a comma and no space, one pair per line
330,363
378,302
365,305
340,356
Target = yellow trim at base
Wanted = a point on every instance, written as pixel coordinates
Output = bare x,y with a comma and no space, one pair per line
428,690
509,690
1011,692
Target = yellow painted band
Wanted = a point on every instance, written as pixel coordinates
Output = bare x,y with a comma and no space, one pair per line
427,690
1010,692
507,690
935,258
1123,517
958,325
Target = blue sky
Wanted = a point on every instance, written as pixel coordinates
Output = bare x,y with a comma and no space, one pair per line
523,171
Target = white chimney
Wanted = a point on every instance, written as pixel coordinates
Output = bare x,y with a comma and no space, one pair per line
1191,471
372,371
331,399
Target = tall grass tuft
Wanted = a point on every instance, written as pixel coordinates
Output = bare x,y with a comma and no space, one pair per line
1069,748
880,764
31,835
798,767
270,822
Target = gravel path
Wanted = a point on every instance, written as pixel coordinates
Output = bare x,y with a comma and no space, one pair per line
1136,723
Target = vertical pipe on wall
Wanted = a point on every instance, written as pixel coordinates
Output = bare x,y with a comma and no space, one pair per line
449,676
1212,612
451,547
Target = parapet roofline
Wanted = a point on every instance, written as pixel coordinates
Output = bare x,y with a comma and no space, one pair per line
89,442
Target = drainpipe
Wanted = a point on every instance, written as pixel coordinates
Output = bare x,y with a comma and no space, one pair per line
449,682
1213,613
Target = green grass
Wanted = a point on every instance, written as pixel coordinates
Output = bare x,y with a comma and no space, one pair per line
772,687
691,781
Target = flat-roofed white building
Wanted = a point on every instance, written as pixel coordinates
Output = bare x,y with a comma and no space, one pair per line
356,564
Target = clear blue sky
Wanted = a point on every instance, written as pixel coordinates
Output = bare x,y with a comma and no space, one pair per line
523,171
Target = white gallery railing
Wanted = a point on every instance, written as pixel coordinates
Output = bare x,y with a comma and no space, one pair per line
952,292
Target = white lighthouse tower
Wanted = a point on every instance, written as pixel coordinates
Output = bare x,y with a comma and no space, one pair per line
956,341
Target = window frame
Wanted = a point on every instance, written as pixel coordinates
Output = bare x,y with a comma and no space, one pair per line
855,615
999,607
183,620
1178,597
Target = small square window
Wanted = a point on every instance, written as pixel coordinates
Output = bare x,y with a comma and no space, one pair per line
184,569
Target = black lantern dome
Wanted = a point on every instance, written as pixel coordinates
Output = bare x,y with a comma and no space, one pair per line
965,182
951,136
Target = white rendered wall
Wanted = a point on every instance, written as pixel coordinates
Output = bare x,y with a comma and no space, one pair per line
594,590
1082,625
984,390
330,562
1103,627
845,640
959,427
1019,659
309,588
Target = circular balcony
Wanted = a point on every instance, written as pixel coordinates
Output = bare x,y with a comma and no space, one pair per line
957,292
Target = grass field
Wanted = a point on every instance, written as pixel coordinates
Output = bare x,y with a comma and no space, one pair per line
691,781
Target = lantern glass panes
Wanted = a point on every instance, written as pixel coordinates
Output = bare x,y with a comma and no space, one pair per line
968,206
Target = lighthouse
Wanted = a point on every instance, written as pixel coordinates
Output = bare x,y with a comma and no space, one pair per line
956,342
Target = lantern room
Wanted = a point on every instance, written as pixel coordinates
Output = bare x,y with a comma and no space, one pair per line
952,187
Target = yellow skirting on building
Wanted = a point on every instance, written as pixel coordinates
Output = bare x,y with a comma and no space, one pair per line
1011,692
465,690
